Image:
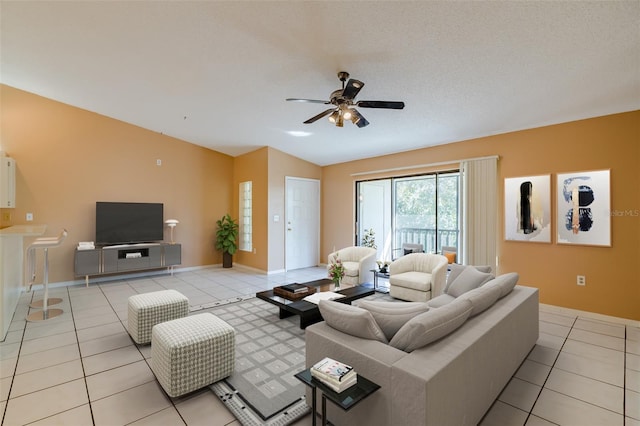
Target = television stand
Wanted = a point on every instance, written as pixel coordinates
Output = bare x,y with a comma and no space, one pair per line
126,258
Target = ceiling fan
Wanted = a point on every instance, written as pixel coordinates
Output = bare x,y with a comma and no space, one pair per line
344,104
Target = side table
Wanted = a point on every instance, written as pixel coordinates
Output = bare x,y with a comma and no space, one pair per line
377,274
345,399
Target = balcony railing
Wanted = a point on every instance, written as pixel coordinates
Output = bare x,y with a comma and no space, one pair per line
427,237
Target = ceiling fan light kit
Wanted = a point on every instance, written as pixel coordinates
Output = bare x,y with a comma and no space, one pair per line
343,104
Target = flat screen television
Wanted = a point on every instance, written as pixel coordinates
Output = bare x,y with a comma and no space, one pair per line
127,223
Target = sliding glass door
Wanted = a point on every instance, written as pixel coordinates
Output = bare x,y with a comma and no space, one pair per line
421,211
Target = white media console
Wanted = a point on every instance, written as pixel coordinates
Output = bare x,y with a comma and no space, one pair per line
126,258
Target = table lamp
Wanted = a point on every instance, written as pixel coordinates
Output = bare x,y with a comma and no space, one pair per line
171,223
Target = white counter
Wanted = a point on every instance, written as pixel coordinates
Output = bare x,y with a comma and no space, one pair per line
12,271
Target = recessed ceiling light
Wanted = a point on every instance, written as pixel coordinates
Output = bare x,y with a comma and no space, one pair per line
299,133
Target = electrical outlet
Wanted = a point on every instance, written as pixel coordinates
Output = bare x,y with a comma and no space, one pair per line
254,250
6,217
582,280
29,217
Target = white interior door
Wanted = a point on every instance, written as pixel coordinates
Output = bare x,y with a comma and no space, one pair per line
302,241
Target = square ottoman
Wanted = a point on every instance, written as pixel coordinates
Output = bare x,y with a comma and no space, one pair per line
190,353
149,309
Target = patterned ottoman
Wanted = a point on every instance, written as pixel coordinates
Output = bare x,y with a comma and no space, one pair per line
149,309
193,352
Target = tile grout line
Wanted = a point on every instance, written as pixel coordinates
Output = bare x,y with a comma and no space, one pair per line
550,371
15,367
146,361
84,373
623,387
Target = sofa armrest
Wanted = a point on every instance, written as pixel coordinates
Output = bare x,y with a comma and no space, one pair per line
439,279
367,263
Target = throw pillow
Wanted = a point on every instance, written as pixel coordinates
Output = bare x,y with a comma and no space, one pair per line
482,298
456,269
431,326
468,279
351,320
506,282
391,316
451,257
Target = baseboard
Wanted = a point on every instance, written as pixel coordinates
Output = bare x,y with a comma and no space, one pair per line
95,279
586,314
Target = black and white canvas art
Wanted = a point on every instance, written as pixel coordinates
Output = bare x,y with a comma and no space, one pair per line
527,205
584,208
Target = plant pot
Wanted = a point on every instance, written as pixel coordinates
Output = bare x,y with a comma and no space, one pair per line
227,260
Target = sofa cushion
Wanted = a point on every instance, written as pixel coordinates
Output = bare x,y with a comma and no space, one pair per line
506,282
468,279
482,298
412,279
441,300
432,325
391,316
351,320
456,269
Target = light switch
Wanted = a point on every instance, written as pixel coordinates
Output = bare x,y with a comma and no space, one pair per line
276,218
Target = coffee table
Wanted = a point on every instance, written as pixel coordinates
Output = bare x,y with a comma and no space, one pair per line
309,312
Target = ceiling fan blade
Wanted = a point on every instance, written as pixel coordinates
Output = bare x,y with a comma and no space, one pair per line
352,88
381,104
359,120
319,116
313,101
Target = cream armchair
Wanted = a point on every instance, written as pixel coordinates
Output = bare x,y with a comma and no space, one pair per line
417,277
358,263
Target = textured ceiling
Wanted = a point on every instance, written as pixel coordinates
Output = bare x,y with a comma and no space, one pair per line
217,73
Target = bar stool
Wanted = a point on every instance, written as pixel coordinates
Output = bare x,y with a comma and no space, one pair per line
43,243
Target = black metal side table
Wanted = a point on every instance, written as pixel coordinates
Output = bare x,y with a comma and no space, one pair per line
345,399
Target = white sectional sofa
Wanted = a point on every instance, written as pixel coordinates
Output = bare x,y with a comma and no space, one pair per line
451,381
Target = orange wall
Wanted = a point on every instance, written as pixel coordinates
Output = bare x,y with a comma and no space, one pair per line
253,167
282,165
267,169
610,142
68,158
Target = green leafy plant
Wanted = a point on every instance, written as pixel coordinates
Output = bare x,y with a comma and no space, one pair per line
227,234
369,238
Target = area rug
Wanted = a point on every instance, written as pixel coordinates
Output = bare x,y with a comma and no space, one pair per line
269,351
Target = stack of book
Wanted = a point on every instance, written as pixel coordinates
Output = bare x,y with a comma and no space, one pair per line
335,374
295,288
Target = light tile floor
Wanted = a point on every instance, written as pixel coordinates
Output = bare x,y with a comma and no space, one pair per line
82,368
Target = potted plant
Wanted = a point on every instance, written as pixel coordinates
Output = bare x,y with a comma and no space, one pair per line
226,237
369,238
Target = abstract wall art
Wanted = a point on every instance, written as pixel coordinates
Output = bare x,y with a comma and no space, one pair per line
583,209
527,208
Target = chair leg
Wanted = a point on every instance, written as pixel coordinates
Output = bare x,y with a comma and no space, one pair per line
45,313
